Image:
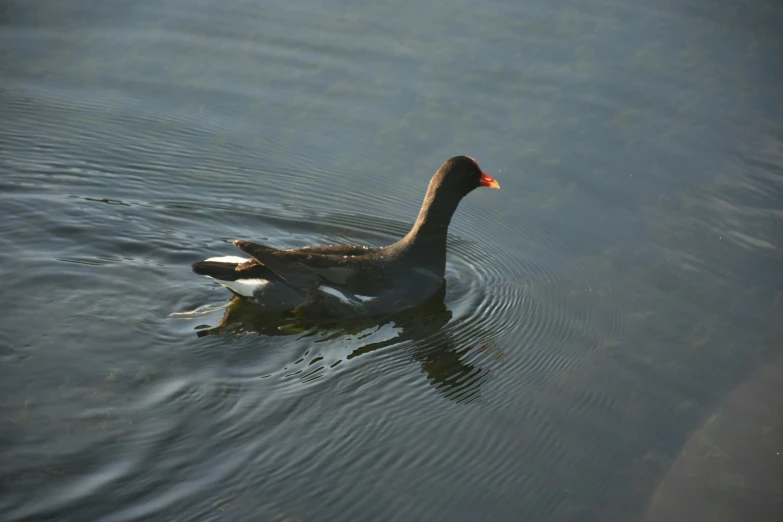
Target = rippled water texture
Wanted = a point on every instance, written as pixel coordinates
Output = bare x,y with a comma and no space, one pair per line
607,334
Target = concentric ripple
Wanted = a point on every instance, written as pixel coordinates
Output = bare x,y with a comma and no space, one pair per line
541,299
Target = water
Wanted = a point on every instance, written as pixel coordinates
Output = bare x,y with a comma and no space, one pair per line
600,308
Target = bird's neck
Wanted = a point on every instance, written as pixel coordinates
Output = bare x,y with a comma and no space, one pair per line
427,238
434,218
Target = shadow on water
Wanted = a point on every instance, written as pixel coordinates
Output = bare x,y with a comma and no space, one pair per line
447,360
730,467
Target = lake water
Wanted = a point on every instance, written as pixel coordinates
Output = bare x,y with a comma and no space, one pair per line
610,303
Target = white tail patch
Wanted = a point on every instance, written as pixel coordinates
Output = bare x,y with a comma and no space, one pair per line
228,259
244,287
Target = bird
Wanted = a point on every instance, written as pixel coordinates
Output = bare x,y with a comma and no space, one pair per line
349,281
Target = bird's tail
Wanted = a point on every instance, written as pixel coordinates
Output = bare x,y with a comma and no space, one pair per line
225,271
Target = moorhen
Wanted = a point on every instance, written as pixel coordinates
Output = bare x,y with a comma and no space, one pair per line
355,281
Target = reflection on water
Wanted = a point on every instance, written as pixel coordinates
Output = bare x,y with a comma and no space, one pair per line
451,361
601,312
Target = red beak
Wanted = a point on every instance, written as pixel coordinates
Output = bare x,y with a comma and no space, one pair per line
488,181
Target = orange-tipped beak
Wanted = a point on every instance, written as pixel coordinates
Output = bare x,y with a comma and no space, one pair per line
488,181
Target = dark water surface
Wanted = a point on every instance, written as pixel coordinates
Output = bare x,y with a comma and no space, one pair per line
600,308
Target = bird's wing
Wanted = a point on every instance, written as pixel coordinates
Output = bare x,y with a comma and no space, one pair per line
337,250
300,268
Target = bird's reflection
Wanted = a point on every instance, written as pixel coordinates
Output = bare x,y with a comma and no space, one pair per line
442,352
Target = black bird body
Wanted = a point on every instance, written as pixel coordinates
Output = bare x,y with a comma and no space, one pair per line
354,281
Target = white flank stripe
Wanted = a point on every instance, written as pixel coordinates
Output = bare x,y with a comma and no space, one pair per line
228,259
245,287
425,272
357,300
335,293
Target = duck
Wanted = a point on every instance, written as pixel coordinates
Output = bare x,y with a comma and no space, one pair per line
349,281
